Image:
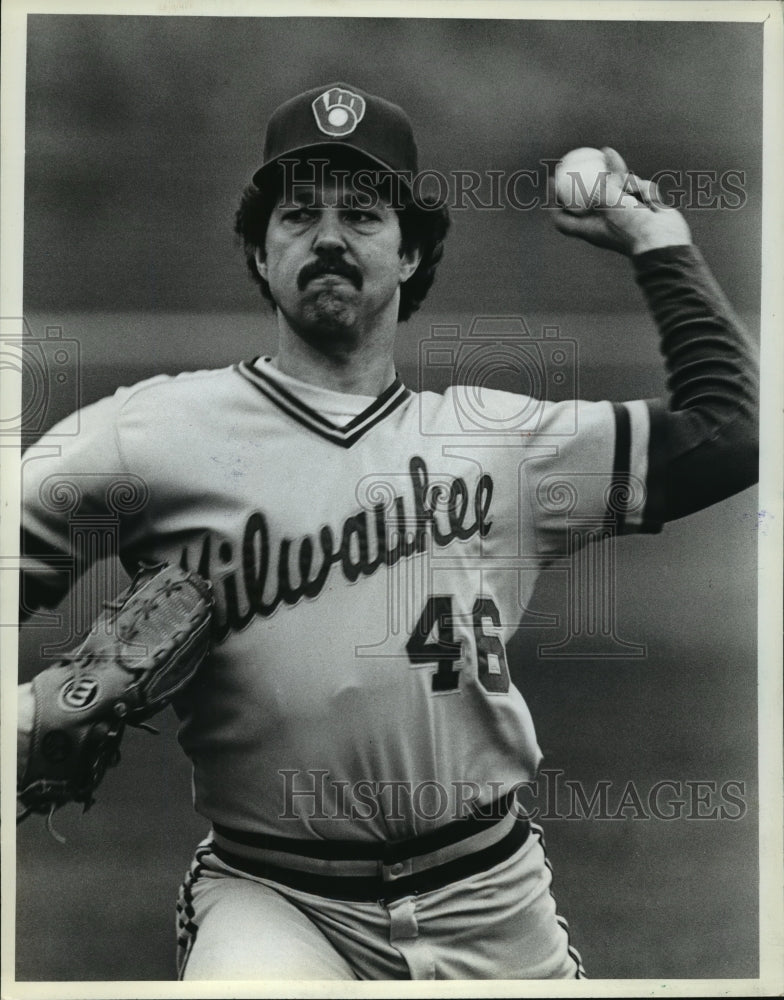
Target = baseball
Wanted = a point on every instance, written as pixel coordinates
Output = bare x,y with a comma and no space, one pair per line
580,178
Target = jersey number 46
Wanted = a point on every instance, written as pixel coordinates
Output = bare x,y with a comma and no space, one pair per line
436,624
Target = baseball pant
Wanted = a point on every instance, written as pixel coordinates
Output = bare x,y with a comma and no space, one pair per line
496,924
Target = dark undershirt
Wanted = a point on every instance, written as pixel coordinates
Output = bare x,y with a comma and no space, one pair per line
704,440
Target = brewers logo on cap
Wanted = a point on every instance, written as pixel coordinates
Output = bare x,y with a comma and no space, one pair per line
338,111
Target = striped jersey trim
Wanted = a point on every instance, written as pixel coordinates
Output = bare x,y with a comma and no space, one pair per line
629,497
294,407
621,467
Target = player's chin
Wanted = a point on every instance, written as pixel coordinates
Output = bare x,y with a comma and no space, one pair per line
330,312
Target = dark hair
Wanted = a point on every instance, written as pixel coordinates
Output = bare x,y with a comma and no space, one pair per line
424,223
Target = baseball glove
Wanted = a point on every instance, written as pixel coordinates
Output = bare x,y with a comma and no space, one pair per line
143,650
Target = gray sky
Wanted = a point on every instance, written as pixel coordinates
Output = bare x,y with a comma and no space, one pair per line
141,132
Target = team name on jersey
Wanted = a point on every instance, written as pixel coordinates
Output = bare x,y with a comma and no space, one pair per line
368,539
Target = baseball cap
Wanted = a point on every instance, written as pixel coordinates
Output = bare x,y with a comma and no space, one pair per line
340,115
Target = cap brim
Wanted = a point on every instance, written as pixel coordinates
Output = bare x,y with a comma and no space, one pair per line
268,168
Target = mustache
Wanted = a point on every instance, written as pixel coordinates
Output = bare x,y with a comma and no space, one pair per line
329,264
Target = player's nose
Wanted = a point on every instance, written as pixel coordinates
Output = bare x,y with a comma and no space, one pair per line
329,233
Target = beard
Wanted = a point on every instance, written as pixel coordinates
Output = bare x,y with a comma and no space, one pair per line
331,286
328,313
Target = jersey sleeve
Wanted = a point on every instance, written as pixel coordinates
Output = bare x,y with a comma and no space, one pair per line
79,503
586,471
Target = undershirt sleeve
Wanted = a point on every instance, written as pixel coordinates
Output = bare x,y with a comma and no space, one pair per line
641,463
703,443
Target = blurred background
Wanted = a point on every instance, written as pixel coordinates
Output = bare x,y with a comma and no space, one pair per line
140,134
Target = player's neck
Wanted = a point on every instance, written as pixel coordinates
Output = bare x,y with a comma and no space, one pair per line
361,373
362,365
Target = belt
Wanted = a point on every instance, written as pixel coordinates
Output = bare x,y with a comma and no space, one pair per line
341,869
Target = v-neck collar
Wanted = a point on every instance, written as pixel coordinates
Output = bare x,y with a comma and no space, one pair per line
287,401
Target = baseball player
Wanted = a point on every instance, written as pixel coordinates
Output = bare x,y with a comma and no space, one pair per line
355,737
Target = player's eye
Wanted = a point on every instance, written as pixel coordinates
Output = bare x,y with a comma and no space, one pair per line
360,215
295,215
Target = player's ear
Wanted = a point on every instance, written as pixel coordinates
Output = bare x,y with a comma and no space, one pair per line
409,262
261,262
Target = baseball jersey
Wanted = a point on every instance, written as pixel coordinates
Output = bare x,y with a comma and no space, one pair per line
370,558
